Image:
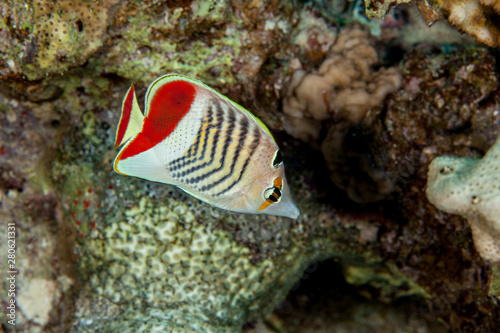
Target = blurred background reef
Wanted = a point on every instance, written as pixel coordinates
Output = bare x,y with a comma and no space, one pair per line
361,97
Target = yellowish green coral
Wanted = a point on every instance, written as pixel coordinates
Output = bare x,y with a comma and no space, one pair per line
386,278
495,281
148,57
65,33
179,273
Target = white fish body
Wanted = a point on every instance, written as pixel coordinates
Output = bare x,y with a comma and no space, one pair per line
195,138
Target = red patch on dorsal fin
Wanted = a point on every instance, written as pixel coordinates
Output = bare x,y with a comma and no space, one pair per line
169,104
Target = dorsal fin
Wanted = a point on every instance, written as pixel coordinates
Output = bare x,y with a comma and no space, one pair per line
168,96
151,92
167,102
131,120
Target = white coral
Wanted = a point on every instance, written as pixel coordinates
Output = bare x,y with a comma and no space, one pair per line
471,188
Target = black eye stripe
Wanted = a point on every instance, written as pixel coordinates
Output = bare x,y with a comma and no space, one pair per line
273,194
273,198
278,159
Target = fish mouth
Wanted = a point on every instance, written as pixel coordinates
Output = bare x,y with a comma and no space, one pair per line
294,213
290,210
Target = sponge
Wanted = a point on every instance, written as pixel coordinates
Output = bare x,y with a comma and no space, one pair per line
471,188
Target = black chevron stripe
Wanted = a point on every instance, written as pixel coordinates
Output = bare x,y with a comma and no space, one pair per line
231,121
253,148
213,150
241,141
193,149
181,162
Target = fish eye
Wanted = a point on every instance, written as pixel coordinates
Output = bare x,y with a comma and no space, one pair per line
278,159
272,195
268,192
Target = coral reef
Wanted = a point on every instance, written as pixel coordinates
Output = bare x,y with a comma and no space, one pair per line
161,259
478,18
458,118
109,253
343,89
471,188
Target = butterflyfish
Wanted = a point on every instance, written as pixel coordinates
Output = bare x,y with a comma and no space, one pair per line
195,138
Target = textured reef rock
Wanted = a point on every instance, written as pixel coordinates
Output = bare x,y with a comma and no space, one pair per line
219,42
449,106
46,37
108,253
47,276
478,18
345,86
340,94
471,188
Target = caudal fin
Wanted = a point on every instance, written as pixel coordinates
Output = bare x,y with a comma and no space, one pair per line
131,119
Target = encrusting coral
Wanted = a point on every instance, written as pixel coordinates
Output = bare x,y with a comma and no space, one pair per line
478,18
471,188
68,31
342,90
53,36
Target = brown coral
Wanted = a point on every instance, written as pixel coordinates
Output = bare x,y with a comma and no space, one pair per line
343,89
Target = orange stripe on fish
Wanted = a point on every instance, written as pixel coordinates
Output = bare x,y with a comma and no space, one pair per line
272,194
